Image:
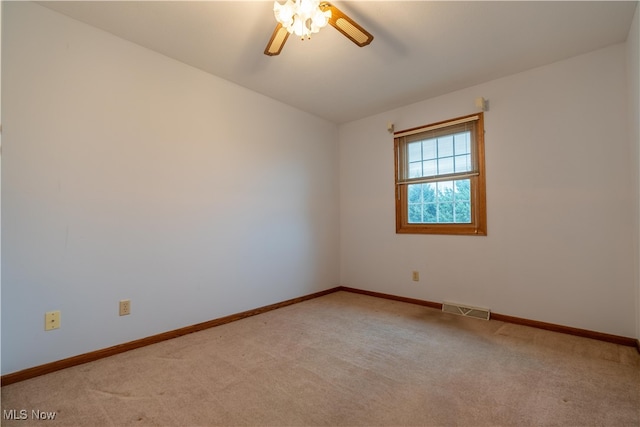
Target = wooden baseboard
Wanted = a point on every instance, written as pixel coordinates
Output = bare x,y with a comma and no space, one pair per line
616,339
392,297
121,348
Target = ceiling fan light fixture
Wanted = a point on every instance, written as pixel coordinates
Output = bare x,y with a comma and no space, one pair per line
302,17
306,17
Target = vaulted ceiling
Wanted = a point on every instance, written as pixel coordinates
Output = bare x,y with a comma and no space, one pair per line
421,49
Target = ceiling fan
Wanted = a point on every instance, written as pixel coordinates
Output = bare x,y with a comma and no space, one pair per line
305,17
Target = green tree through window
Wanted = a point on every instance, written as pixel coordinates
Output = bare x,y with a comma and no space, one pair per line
440,202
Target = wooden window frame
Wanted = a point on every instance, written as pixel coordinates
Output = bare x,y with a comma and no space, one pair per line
478,224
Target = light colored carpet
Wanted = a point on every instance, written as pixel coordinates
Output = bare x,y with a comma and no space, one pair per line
347,359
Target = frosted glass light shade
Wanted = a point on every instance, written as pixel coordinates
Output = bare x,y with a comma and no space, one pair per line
301,17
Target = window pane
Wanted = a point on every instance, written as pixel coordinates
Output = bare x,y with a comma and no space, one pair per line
414,192
445,191
445,146
440,202
462,206
429,213
445,165
446,154
430,168
415,170
429,192
463,163
462,143
462,212
463,190
429,149
445,212
415,151
415,213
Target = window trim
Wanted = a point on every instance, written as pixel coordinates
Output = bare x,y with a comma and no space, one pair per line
478,225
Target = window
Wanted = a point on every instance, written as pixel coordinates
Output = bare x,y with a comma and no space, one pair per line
440,178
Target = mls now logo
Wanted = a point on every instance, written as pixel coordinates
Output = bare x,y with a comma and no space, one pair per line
23,414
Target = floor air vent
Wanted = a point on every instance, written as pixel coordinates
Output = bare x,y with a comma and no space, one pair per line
463,310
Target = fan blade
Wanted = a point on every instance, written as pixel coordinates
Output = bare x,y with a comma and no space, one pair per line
275,45
347,26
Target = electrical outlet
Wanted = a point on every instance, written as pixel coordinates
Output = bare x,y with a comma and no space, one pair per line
125,307
416,276
51,320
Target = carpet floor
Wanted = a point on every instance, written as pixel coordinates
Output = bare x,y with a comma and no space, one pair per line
345,359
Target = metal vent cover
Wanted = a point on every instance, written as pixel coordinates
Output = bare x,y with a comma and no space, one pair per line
465,310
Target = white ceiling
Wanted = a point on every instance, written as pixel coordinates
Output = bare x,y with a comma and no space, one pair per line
421,49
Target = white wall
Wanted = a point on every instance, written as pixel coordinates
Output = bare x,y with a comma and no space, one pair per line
130,175
559,194
633,75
